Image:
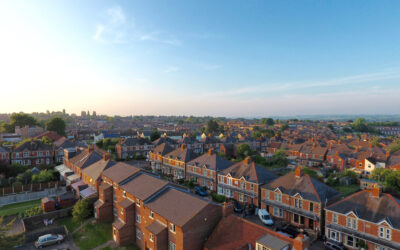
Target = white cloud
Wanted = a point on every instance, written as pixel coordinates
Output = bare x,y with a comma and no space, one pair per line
158,36
113,29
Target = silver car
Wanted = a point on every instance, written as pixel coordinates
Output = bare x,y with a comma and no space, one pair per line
48,239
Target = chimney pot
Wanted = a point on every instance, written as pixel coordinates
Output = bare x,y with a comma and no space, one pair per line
299,172
376,191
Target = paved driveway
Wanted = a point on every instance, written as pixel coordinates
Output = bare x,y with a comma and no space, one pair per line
67,244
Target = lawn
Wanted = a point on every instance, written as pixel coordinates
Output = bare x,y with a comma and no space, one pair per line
18,207
347,190
69,223
92,235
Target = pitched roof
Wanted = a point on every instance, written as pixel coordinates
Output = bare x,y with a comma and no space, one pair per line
166,140
86,158
50,134
370,208
250,171
135,141
163,149
308,187
211,161
182,154
120,172
32,145
95,170
156,227
176,206
143,185
233,232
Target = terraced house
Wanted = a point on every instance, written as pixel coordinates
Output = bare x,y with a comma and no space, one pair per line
156,156
174,163
242,181
203,170
32,153
368,217
81,159
127,148
106,206
4,155
151,213
298,199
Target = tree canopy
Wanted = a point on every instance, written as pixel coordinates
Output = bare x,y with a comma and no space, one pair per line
18,119
81,211
267,121
154,135
212,127
56,124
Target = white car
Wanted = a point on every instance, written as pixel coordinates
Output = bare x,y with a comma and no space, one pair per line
264,217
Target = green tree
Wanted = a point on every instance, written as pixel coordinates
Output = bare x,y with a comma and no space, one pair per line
267,121
330,126
7,241
154,135
81,211
279,158
243,151
212,127
57,125
360,125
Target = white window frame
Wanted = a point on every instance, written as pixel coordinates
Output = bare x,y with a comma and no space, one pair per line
172,228
138,218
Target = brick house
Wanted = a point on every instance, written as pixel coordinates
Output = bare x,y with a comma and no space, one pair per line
133,146
203,170
63,143
156,156
242,180
174,219
109,188
4,155
369,216
191,144
167,140
174,162
312,154
338,156
32,153
298,199
210,141
83,158
233,232
91,175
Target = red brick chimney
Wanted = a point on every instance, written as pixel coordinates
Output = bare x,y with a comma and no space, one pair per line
107,157
299,172
387,153
301,242
210,151
376,191
227,209
90,148
183,146
247,160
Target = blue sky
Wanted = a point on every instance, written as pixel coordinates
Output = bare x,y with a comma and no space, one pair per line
223,58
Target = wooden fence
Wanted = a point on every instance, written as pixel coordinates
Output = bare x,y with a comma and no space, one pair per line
30,187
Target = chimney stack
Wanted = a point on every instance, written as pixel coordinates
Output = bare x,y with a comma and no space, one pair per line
301,242
107,157
376,191
210,151
227,209
90,148
247,160
183,146
299,172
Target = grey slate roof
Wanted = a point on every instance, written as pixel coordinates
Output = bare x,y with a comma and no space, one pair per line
308,187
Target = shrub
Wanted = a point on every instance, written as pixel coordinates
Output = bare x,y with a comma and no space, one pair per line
217,197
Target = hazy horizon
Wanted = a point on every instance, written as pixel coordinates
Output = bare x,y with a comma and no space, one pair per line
224,58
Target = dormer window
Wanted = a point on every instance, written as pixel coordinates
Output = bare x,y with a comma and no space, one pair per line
243,185
278,197
351,223
385,233
298,203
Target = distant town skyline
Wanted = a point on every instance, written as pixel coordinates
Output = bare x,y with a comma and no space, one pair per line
224,58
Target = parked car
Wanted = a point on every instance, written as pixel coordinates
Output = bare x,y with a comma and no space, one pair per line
200,191
237,207
251,209
331,245
291,230
48,239
263,215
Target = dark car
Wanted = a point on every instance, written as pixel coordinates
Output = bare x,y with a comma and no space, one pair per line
200,191
237,207
291,230
332,245
251,209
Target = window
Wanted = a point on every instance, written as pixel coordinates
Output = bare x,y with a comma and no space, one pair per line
151,237
26,154
138,218
124,194
278,212
261,247
335,219
311,207
137,202
122,212
220,190
171,246
385,233
138,234
243,185
229,181
349,241
298,203
151,214
278,197
172,228
334,235
351,223
267,194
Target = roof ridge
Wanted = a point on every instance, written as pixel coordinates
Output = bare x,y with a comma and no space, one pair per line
312,185
348,197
